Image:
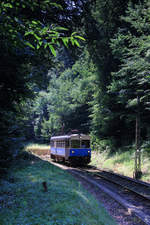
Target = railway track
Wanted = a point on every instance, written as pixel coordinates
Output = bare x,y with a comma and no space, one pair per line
131,194
139,187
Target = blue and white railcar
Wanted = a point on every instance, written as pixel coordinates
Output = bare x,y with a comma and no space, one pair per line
74,148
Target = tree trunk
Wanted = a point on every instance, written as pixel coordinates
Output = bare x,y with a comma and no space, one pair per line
137,172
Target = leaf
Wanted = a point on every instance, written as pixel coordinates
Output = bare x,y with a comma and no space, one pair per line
45,46
37,37
8,5
76,42
30,45
82,38
38,46
40,43
72,41
44,30
73,33
131,103
65,41
52,50
34,22
53,40
28,32
61,28
53,33
57,42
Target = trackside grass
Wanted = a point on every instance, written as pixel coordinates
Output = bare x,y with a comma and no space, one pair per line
37,146
38,149
122,162
23,200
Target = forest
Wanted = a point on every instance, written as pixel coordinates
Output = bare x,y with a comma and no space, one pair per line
73,65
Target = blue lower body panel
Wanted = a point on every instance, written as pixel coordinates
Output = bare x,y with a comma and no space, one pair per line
80,152
80,156
73,155
58,151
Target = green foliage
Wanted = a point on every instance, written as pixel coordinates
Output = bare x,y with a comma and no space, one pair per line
21,30
101,24
31,33
25,202
118,35
131,46
101,145
92,88
65,104
122,160
146,148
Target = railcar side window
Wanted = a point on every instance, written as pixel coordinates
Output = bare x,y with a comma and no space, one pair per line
57,144
52,144
63,144
75,143
85,144
60,144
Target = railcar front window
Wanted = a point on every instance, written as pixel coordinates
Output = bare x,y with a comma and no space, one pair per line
85,144
75,144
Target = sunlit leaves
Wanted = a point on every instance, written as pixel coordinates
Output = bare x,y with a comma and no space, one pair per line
31,33
34,32
7,5
54,37
79,37
52,50
30,45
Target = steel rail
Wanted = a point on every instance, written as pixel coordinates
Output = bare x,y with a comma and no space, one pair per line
129,206
142,194
145,218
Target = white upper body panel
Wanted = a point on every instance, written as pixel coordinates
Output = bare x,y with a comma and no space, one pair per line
72,137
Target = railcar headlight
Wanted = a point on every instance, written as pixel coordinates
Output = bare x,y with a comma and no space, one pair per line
88,151
72,151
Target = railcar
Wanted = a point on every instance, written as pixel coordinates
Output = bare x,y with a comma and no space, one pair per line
74,148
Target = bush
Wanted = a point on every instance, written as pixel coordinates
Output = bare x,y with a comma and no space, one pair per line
146,148
102,145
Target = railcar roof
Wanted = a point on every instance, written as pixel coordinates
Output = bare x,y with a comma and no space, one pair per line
72,136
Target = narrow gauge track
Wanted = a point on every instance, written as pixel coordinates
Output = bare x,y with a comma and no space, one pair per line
139,187
135,195
136,202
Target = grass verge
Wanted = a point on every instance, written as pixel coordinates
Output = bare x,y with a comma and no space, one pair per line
24,202
122,162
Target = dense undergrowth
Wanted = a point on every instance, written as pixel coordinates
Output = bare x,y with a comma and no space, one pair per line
24,201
